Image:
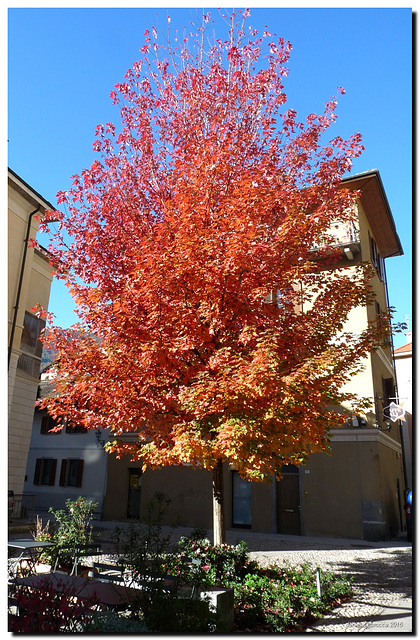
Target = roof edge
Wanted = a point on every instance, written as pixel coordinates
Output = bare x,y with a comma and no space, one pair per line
374,173
27,187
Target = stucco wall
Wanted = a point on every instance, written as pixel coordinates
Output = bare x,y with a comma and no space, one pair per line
331,493
61,446
35,289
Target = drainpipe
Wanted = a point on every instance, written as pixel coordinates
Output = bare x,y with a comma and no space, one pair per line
22,271
403,450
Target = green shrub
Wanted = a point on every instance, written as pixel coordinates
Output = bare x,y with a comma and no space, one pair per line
73,523
222,564
278,599
267,599
165,612
45,533
142,546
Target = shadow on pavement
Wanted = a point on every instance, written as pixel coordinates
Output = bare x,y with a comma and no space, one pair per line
392,618
390,571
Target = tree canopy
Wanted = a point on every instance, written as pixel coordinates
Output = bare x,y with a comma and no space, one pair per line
203,206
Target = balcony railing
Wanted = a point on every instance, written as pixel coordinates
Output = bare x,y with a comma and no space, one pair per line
344,236
23,508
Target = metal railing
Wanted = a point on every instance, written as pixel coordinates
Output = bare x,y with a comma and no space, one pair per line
342,234
23,508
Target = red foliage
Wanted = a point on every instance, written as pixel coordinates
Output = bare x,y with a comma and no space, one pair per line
46,610
209,196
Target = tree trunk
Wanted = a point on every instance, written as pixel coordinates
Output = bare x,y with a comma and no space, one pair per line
219,532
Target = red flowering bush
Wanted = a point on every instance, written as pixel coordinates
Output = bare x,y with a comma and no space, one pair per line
200,562
267,599
47,610
278,599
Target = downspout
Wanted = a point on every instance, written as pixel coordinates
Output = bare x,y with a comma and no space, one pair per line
22,271
397,394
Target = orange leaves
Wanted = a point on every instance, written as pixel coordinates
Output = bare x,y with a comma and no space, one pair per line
205,200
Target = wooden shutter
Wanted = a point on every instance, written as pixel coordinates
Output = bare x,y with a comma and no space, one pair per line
37,470
63,473
53,470
45,424
79,474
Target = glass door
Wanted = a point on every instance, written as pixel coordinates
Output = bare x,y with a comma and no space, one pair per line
134,492
241,501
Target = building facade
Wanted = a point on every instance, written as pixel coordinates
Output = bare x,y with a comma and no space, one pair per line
358,490
29,282
403,357
64,464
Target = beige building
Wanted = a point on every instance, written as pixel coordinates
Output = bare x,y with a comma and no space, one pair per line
358,491
29,282
403,357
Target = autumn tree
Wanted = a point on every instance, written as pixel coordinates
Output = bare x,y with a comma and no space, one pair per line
206,327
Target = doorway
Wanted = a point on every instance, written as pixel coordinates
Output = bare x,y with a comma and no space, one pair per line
134,493
288,502
241,501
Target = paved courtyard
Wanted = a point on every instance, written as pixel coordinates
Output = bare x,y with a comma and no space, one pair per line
382,573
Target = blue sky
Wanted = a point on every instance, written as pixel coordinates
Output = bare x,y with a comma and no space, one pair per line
63,64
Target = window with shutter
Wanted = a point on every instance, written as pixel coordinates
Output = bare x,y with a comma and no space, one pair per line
48,423
71,427
79,473
63,473
45,469
37,475
376,259
71,473
52,472
29,360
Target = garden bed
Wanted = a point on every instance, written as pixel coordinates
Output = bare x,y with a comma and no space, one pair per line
275,598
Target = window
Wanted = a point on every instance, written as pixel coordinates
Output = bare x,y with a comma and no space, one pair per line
376,259
30,345
71,427
241,501
45,469
388,392
74,427
32,327
71,473
134,493
384,323
48,423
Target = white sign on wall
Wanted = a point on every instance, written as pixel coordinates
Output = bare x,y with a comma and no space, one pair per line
395,412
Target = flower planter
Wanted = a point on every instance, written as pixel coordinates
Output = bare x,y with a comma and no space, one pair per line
220,601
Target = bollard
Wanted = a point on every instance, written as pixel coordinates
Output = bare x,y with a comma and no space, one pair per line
318,581
221,601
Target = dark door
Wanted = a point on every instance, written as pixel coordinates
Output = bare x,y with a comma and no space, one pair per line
134,492
241,501
288,503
